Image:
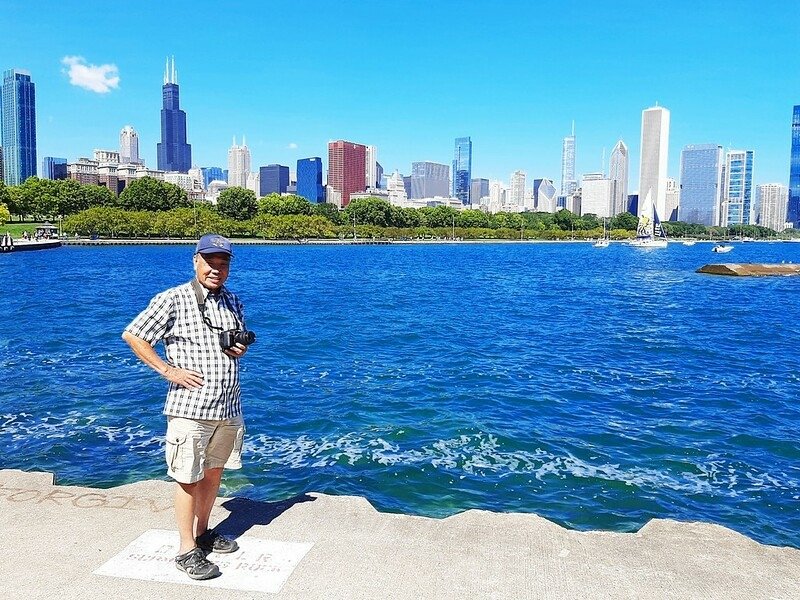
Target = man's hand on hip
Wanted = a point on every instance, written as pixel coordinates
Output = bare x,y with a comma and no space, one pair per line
184,377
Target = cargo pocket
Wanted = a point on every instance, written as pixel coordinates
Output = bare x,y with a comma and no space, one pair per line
235,459
174,451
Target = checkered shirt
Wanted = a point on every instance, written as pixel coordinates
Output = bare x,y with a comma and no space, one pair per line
174,318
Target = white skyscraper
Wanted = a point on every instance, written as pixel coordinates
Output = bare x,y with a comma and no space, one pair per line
371,166
772,199
397,189
516,198
653,162
596,195
618,174
128,145
254,182
568,182
545,196
497,196
238,164
673,200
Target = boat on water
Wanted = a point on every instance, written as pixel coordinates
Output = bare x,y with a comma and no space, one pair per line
649,232
602,242
722,248
46,237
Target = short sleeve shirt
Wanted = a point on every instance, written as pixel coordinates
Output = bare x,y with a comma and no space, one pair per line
174,317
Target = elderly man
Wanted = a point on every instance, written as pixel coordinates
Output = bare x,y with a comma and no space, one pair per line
201,324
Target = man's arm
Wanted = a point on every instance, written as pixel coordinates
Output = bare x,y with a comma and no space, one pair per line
148,355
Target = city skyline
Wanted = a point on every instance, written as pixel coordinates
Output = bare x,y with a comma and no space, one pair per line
411,114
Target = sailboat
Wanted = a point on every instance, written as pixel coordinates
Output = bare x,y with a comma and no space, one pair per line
649,232
602,242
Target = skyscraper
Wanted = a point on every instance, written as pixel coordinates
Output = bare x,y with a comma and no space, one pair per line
462,169
274,179
212,174
618,174
480,189
18,126
701,184
653,162
737,206
771,200
54,168
429,179
309,179
371,167
174,154
346,171
544,195
516,198
793,209
128,146
596,195
238,164
568,182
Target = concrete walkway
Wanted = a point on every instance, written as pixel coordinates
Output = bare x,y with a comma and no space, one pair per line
57,537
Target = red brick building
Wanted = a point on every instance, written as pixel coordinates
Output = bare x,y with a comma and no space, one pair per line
346,171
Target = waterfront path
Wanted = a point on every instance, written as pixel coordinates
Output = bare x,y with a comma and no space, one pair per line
57,537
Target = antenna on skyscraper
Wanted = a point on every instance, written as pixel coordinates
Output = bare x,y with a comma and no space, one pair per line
573,127
166,72
173,70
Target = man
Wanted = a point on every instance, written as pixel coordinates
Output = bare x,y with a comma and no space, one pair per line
203,406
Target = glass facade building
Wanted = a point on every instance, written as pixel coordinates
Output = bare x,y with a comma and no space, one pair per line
213,174
738,191
174,154
793,208
462,170
54,168
274,179
309,179
701,184
18,139
429,179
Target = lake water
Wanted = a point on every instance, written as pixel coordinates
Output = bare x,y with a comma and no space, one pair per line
599,388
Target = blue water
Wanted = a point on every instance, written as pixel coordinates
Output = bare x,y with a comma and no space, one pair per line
599,388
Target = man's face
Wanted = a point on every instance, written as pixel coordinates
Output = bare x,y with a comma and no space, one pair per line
212,269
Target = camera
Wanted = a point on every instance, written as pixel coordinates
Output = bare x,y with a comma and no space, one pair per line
230,338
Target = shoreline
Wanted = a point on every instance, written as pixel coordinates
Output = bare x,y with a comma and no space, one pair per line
353,551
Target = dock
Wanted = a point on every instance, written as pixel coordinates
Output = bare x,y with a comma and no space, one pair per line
70,542
751,269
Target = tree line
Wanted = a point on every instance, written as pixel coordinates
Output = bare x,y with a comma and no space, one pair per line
149,207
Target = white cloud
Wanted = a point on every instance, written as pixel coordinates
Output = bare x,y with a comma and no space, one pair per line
95,78
292,146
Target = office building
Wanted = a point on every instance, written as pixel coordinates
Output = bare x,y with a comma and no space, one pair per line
346,171
1,151
18,139
701,184
654,149
462,170
238,164
793,209
516,192
274,179
596,195
371,167
772,202
429,179
212,174
128,146
174,153
737,193
378,174
673,200
545,195
618,174
54,168
568,182
479,188
254,182
309,179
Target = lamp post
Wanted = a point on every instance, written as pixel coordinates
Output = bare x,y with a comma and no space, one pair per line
454,226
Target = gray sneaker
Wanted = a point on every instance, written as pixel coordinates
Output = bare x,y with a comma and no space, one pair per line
195,564
211,541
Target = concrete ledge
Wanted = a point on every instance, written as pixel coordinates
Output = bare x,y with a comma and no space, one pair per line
57,536
751,269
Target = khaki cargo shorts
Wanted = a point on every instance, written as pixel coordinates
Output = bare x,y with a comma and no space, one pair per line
192,446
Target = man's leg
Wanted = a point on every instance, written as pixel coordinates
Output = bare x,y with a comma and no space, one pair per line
185,509
208,488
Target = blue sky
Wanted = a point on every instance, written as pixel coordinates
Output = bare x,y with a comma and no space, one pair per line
409,76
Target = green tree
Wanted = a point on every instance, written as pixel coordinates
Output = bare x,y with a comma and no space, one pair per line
237,204
275,204
472,218
329,211
624,221
5,215
566,220
368,211
148,193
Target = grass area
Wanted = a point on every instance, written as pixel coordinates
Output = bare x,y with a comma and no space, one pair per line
16,228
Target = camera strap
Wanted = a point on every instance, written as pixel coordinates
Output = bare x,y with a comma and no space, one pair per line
201,297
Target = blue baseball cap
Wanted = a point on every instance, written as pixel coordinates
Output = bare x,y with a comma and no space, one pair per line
212,243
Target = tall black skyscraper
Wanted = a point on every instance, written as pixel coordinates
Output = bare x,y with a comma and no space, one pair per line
793,209
174,154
